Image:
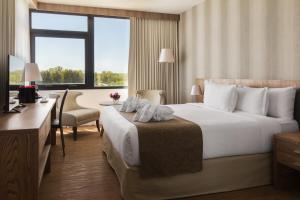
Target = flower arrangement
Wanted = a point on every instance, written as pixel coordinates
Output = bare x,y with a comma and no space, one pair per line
115,96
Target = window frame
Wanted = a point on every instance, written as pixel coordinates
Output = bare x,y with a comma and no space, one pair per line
88,36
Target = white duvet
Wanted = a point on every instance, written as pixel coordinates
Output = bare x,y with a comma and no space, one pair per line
224,133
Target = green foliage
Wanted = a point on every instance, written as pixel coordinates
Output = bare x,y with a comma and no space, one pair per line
15,77
108,78
60,75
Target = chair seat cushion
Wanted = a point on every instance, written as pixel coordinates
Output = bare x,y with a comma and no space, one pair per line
80,116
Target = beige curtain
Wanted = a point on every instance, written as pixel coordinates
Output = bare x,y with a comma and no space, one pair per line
147,38
22,30
7,34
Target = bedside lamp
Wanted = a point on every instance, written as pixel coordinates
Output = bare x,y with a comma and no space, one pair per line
196,91
31,73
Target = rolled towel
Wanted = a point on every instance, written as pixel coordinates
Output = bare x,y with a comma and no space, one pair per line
124,105
146,113
137,115
142,103
163,113
132,105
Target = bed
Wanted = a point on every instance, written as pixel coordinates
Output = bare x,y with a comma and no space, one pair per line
238,158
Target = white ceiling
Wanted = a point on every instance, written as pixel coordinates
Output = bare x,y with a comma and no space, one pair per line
162,6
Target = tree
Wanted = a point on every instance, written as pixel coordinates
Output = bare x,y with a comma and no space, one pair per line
58,75
15,77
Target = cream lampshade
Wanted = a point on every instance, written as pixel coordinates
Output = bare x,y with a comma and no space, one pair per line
31,73
196,90
166,56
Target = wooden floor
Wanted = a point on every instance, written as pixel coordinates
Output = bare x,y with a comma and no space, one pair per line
84,174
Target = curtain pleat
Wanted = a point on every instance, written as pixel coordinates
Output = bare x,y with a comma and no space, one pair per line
147,38
7,34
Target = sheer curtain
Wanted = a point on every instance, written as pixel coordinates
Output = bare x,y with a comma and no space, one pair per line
147,38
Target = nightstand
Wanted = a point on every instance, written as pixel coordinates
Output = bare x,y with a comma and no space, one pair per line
286,160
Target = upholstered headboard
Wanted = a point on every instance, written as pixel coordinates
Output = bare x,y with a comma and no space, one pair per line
261,83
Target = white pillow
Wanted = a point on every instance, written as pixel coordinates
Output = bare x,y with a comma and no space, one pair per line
253,100
220,96
281,102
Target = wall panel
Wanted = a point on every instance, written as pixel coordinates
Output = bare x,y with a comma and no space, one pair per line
255,39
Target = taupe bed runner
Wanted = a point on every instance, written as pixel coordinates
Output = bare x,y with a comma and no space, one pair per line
168,148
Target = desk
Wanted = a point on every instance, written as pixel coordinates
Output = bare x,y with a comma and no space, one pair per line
25,143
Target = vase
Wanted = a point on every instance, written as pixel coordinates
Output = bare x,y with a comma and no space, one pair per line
115,101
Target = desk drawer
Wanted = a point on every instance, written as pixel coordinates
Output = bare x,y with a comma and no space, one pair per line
44,133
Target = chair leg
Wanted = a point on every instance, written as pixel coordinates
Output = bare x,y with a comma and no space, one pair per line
74,133
62,140
98,125
101,130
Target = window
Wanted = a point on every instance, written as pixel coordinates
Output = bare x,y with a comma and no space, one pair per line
61,60
111,50
80,51
61,22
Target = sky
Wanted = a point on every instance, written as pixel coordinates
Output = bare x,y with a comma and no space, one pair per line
111,42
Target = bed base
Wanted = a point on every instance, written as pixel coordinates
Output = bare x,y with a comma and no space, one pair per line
218,175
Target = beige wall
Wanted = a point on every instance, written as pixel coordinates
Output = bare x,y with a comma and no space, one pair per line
22,30
257,39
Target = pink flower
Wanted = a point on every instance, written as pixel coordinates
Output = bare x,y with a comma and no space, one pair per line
115,96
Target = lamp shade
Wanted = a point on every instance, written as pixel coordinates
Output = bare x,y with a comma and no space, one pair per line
196,90
31,73
166,56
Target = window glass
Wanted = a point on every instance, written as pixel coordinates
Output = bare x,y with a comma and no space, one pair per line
51,21
111,48
61,60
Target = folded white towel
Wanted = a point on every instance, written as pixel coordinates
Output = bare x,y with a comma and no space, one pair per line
153,112
131,107
146,113
133,104
137,115
163,113
124,105
142,103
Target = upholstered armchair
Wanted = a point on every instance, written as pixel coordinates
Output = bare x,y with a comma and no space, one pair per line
75,115
156,97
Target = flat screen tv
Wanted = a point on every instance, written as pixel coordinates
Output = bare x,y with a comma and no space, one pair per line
13,64
4,87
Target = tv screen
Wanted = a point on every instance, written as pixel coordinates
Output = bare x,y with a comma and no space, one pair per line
4,91
8,72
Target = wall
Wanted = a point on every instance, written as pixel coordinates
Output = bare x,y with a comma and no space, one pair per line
257,39
22,31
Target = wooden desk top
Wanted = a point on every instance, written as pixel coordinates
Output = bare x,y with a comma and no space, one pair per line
31,117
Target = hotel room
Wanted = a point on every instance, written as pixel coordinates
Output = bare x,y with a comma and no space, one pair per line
149,100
